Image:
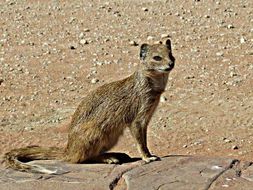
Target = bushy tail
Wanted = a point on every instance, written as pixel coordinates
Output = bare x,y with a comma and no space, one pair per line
16,158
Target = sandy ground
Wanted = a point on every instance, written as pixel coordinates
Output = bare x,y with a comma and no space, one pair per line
52,53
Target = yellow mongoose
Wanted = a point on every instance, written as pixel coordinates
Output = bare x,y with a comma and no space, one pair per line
103,114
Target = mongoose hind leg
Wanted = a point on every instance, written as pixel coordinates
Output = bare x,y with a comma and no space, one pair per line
111,158
84,142
76,153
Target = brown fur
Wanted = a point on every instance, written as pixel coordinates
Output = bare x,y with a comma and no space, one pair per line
102,116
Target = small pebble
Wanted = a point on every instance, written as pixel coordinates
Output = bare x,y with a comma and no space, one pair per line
235,147
94,81
232,74
86,30
81,35
99,63
150,38
163,99
230,26
165,36
242,40
158,42
227,140
73,46
220,53
133,43
197,143
83,42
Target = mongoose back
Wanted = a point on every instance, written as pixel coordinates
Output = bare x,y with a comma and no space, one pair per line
103,114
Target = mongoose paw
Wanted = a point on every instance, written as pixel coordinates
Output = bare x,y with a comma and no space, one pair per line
112,160
150,159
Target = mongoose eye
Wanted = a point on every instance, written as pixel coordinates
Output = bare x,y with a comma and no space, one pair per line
157,58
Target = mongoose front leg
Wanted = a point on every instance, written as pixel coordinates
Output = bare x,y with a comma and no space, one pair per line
139,132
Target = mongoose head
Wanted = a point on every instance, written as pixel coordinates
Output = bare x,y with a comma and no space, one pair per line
157,58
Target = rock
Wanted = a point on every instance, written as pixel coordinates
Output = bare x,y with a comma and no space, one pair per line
72,19
230,26
70,176
165,36
145,9
73,46
88,76
197,143
242,40
94,80
227,140
177,14
99,63
86,30
81,35
158,42
133,43
163,99
232,74
83,42
191,174
150,38
1,81
172,172
249,52
221,53
235,147
248,172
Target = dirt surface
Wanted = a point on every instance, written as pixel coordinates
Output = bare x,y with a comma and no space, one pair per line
52,53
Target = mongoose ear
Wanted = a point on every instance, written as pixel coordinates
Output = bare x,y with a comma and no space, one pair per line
168,44
143,51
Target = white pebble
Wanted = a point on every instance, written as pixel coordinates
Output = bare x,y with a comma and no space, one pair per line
94,81
163,99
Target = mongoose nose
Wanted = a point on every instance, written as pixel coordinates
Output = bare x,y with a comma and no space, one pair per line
171,64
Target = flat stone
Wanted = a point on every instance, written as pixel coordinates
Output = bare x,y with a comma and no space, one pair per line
172,172
234,179
248,173
177,172
72,176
